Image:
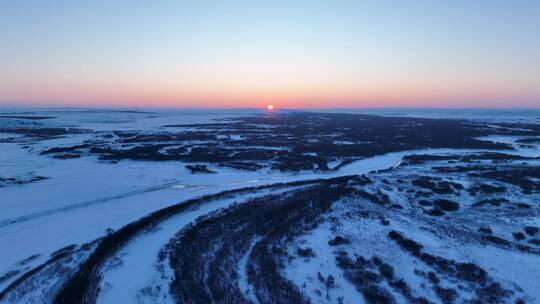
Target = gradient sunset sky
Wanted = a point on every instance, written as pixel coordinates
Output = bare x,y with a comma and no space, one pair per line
459,53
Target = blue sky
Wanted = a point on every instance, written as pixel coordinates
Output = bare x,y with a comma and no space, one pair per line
293,53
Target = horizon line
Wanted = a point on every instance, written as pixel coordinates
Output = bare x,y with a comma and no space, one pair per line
94,107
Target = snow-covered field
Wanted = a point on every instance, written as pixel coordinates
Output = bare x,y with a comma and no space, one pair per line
50,203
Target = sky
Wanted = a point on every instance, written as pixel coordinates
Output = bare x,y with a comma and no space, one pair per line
432,53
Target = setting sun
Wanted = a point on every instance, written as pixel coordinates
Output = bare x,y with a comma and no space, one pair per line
270,107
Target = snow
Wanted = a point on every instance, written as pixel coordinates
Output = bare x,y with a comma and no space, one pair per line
139,257
84,197
304,272
247,289
107,119
344,142
81,204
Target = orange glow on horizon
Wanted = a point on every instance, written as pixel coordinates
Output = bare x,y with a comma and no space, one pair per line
270,107
131,97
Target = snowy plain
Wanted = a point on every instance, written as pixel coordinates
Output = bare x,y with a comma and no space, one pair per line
82,198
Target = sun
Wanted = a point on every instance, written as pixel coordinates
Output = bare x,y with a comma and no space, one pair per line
270,107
